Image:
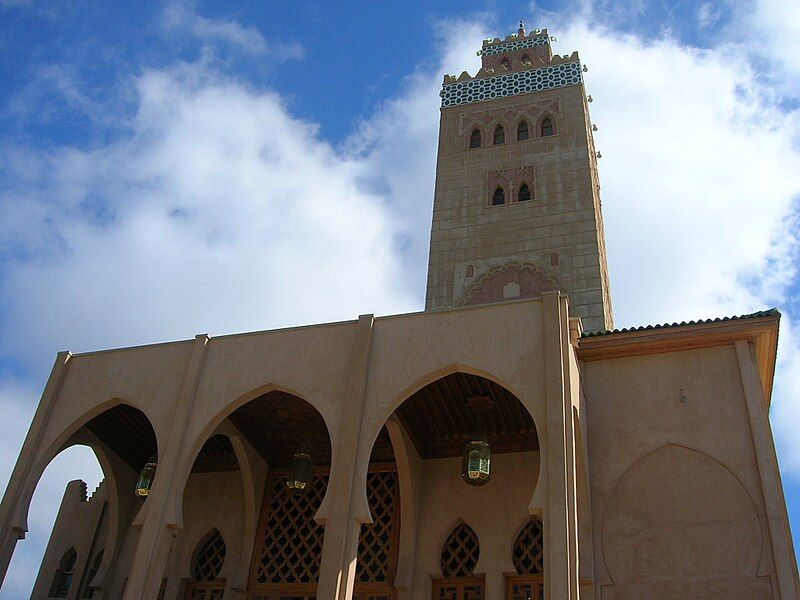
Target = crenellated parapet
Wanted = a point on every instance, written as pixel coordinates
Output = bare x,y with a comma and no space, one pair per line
520,78
514,42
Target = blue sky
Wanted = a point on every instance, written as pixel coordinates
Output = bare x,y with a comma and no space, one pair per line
173,168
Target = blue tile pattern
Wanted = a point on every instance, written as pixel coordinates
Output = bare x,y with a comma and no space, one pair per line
511,84
515,45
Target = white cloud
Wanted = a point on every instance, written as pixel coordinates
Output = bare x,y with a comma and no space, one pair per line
182,15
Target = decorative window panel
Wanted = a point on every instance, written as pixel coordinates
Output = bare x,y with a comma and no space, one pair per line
528,549
460,552
210,558
511,84
519,44
378,540
464,589
289,547
206,591
524,588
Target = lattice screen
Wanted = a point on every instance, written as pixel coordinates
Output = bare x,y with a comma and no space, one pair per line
532,590
460,552
291,541
210,558
528,550
375,544
458,590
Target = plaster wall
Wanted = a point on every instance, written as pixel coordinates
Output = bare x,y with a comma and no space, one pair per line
211,500
497,512
676,494
79,525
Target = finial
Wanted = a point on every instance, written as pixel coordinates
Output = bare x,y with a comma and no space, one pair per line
521,30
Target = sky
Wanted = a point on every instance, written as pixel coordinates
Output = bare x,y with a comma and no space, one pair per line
173,168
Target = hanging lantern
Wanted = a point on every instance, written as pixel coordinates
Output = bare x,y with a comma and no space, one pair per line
301,472
146,476
476,462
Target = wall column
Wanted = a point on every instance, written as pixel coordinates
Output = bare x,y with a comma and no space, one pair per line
13,516
559,514
771,487
157,521
345,507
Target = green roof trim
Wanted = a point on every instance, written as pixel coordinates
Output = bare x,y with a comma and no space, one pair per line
772,312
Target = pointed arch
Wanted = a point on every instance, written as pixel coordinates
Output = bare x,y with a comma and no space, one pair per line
460,552
528,554
547,126
88,590
523,132
498,196
475,138
499,135
524,192
505,63
209,557
62,579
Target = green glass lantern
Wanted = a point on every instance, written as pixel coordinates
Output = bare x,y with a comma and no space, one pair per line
301,472
146,476
476,462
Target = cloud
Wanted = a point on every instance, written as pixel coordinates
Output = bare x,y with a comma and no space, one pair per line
182,15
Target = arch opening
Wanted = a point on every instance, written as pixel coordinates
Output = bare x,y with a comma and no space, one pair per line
433,426
106,452
237,487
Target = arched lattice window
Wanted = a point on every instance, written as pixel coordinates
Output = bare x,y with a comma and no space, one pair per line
499,197
526,60
522,131
88,592
475,139
209,558
547,127
505,63
378,540
499,135
524,193
64,574
528,550
460,552
287,516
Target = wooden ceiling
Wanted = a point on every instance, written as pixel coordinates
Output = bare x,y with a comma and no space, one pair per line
217,454
441,417
278,424
127,432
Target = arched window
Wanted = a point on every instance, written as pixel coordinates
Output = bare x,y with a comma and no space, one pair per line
64,574
88,592
475,139
499,135
522,131
524,193
528,561
459,557
547,127
505,63
499,197
526,60
209,558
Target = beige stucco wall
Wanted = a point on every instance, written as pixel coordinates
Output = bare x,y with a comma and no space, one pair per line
665,437
675,485
497,512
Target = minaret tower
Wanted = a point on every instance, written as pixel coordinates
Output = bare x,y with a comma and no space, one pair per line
517,202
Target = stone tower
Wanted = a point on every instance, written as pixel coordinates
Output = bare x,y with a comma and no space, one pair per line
517,201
